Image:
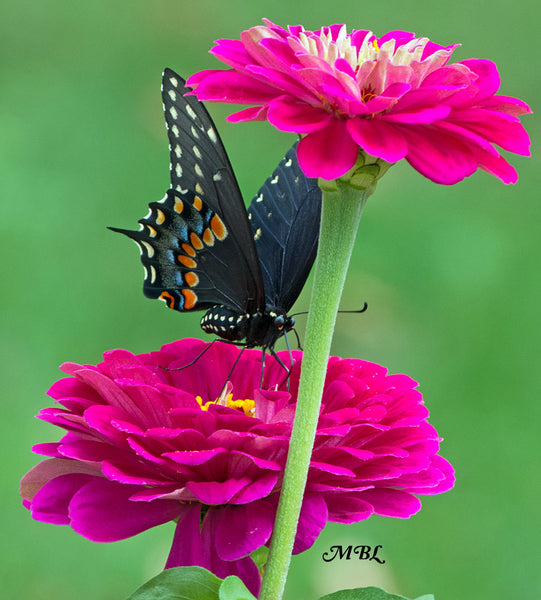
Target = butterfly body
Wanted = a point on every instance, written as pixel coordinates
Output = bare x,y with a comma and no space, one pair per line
202,250
258,329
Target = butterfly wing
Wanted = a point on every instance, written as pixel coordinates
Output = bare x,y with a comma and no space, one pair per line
196,244
285,216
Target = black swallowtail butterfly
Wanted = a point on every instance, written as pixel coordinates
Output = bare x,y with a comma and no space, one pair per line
201,249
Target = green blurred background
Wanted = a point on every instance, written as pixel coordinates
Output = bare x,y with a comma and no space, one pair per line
451,276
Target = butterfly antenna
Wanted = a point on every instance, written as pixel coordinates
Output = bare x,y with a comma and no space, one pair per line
303,312
360,310
193,361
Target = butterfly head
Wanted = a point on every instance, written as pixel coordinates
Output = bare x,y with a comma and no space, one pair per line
269,326
281,322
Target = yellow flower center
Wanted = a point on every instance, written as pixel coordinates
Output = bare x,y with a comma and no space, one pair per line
247,406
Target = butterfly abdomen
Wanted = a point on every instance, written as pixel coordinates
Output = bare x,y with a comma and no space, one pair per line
226,323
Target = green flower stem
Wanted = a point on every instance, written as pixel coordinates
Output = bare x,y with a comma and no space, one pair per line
341,212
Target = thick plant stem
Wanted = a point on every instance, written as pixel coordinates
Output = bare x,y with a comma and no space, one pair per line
340,217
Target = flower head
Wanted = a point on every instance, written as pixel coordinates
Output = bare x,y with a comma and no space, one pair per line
394,97
146,445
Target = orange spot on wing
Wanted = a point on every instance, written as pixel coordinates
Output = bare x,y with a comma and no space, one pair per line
191,278
188,249
190,299
218,227
208,237
187,261
196,241
160,217
179,206
198,203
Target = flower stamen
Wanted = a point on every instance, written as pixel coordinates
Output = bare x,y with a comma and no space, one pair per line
247,406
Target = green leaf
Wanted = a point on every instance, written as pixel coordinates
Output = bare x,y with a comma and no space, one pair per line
260,556
367,593
426,597
181,583
233,588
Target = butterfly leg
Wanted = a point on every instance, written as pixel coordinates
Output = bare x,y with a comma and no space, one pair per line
262,368
192,362
232,369
281,363
299,347
290,356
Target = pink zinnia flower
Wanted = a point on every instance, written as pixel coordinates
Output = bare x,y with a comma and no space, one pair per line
394,97
145,446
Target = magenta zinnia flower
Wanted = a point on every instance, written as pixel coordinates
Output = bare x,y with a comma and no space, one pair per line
145,446
394,97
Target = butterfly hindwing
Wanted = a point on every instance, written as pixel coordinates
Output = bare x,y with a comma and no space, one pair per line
181,245
201,172
285,216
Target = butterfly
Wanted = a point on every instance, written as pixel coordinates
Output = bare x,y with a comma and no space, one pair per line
200,247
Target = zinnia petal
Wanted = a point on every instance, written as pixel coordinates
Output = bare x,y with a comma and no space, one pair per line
102,511
146,445
378,138
296,117
313,82
329,152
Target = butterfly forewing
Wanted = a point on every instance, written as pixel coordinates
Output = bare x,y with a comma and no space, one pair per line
285,216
